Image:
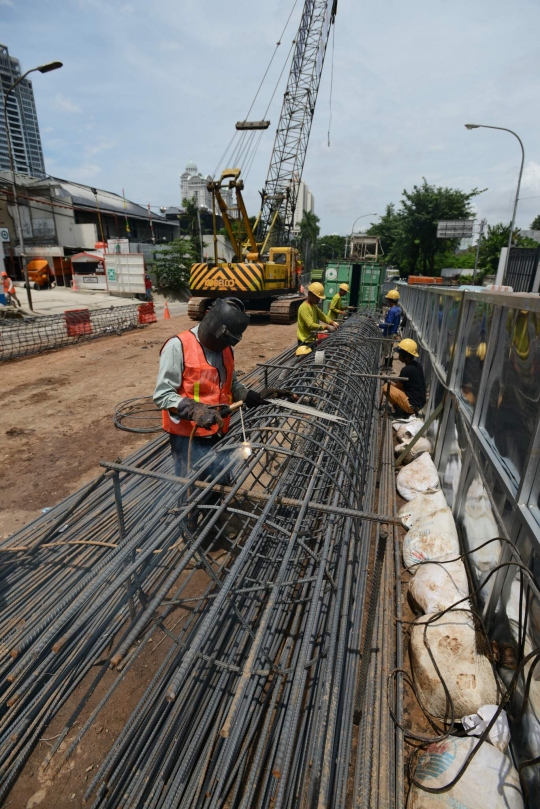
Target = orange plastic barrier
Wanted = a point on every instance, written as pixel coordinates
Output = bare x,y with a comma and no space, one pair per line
424,279
145,313
78,322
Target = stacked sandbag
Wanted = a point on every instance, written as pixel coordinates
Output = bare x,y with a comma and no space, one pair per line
460,652
490,780
407,428
432,539
438,585
419,477
422,445
447,645
424,505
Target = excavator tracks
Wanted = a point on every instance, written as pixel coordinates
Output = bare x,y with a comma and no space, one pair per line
285,310
197,307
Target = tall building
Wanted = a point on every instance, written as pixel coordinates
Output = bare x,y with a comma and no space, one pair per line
305,201
193,186
21,119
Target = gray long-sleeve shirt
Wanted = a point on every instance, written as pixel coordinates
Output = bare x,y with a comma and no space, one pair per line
171,369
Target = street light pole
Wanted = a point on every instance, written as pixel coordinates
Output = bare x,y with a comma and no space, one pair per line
354,223
42,69
504,129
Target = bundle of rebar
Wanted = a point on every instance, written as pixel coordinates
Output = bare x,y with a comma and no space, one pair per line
33,335
58,558
251,574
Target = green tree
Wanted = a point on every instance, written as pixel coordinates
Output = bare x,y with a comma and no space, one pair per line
173,263
389,229
238,228
535,224
328,248
496,239
309,232
191,214
409,234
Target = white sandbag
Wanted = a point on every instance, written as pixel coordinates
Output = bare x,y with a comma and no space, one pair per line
498,735
407,430
490,781
461,656
422,445
422,506
439,585
432,539
418,477
480,525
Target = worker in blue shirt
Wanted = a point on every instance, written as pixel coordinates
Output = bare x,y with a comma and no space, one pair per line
393,315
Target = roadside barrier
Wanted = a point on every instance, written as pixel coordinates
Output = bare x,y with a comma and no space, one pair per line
20,338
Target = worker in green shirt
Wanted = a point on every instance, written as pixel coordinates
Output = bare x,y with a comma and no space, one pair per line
311,318
336,306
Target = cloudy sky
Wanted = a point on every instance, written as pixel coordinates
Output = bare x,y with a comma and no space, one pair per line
148,85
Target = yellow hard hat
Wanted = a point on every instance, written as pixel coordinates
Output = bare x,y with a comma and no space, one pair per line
301,351
409,346
481,351
317,289
344,287
393,294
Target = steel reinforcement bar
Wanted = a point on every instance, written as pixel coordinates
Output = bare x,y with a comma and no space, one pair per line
65,555
255,600
254,706
19,338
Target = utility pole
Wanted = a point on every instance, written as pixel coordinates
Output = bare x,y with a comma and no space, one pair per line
42,69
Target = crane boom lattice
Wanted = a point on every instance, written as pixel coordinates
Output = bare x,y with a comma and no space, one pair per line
287,161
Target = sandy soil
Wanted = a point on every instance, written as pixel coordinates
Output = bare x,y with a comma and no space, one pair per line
56,410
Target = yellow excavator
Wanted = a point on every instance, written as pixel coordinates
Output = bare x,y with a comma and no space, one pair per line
267,279
266,273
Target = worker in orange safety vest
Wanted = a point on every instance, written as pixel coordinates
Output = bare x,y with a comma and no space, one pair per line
196,380
9,288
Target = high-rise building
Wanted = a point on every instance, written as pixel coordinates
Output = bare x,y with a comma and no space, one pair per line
305,201
21,119
193,186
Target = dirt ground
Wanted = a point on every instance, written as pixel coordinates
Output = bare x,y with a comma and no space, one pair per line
56,409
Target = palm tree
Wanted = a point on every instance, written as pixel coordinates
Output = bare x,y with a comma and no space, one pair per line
309,232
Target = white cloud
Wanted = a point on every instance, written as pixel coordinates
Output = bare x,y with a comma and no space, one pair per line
98,147
66,104
7,3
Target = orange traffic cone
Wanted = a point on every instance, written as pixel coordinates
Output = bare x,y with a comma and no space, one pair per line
166,313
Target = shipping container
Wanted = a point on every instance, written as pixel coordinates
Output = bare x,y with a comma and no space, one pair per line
364,280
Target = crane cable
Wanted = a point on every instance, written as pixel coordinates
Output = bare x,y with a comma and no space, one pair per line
235,152
331,81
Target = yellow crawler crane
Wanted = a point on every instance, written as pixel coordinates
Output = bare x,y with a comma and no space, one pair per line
265,279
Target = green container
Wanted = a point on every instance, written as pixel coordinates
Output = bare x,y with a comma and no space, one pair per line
371,274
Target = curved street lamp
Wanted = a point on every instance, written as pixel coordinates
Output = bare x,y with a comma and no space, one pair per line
362,216
504,129
46,68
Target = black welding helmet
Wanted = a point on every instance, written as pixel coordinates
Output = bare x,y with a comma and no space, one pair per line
224,324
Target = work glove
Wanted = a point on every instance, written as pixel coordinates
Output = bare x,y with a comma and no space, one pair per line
253,399
204,416
279,393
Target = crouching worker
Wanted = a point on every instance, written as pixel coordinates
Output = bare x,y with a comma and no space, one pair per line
197,379
409,394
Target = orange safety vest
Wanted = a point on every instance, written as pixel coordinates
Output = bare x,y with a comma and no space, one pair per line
9,286
200,381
